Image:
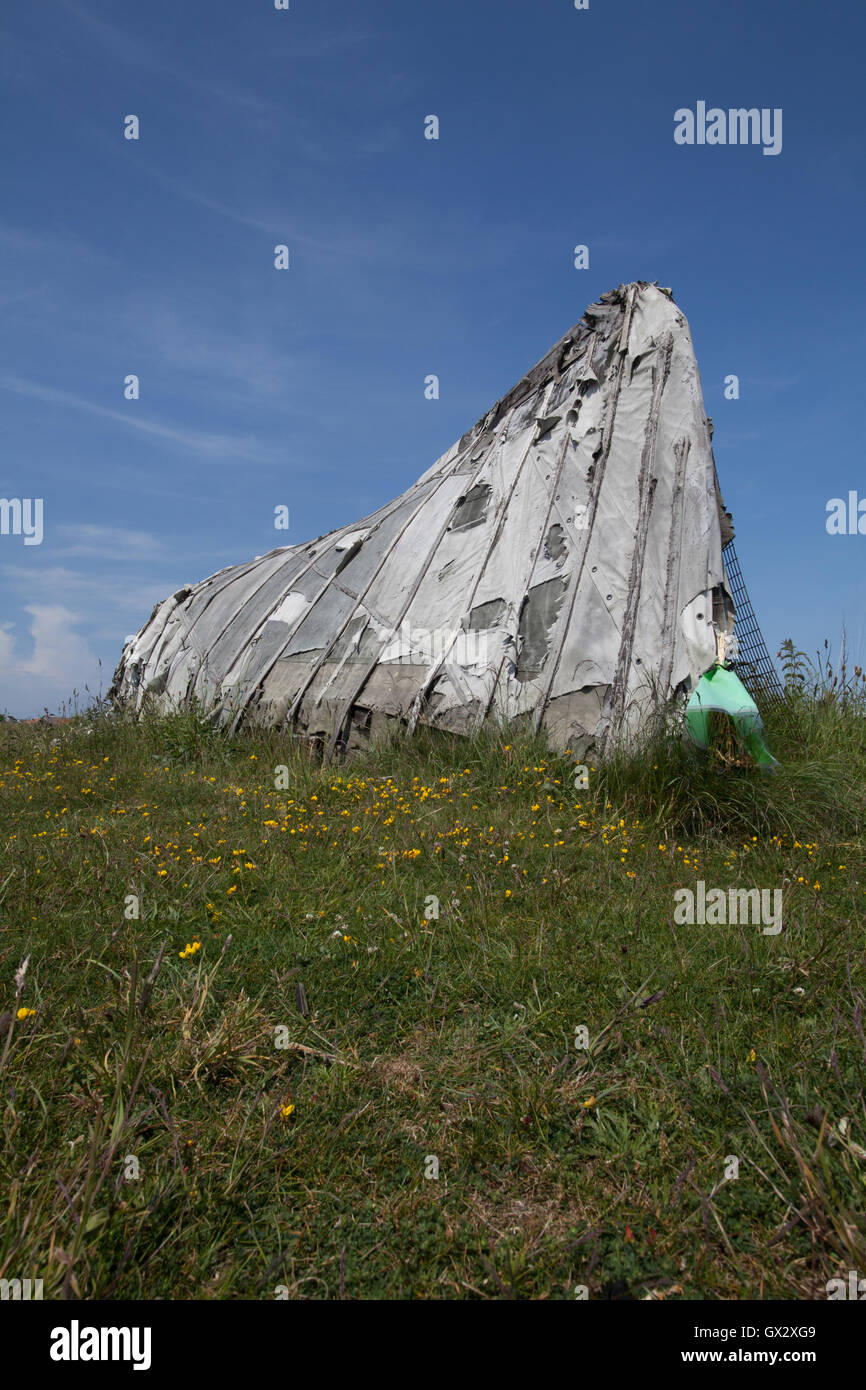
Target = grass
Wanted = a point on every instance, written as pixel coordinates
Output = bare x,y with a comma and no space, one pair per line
247,1043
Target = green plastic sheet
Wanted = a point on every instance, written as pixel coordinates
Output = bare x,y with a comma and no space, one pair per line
720,689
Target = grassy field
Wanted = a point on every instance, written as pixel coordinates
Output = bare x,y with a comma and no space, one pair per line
317,1032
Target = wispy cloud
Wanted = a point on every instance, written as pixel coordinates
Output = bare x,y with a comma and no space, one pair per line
108,543
189,337
208,446
123,592
387,245
50,245
306,50
137,52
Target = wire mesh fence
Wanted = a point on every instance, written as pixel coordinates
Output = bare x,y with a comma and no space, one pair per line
754,665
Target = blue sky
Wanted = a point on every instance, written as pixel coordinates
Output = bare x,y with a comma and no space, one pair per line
408,257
